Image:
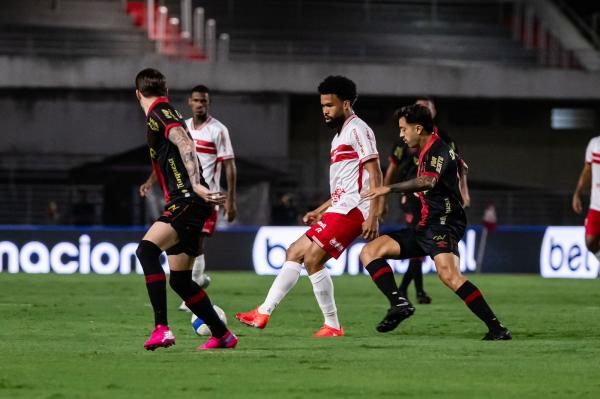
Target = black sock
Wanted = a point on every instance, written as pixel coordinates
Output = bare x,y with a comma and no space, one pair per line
197,301
417,273
406,279
383,276
149,255
473,298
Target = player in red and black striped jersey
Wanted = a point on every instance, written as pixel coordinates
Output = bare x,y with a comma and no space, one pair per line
403,166
441,226
177,231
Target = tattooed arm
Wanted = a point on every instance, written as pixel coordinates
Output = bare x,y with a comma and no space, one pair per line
187,150
421,183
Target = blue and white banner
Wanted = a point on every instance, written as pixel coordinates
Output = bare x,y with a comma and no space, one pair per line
564,254
271,243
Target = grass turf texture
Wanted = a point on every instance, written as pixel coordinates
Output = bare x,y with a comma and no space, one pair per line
81,337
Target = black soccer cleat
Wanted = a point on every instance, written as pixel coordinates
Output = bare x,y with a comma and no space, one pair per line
423,298
498,334
394,316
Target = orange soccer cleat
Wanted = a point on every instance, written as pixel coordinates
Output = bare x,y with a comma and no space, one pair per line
328,331
253,318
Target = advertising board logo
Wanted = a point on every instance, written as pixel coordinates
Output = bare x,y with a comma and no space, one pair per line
271,243
66,257
564,254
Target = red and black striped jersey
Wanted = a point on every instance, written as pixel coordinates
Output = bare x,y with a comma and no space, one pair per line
166,159
442,205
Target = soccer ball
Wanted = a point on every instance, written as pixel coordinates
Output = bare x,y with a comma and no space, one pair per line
201,328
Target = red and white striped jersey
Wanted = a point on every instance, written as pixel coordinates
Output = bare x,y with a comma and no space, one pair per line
350,149
212,146
592,156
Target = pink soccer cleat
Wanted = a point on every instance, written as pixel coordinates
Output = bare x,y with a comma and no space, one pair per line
253,318
161,337
328,331
227,341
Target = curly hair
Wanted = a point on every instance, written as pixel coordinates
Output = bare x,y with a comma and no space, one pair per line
341,86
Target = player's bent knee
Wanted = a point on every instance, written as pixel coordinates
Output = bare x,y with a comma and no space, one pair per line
295,252
450,276
147,252
367,255
372,251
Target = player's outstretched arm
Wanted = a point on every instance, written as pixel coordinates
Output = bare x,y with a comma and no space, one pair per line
421,183
585,179
230,208
147,185
187,150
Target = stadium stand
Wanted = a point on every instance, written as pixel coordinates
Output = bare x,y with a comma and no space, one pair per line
71,28
458,34
390,31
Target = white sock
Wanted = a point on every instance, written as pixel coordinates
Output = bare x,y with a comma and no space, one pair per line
198,270
284,282
323,289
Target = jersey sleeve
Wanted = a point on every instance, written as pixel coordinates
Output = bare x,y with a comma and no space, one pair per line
589,151
167,118
224,147
436,162
363,142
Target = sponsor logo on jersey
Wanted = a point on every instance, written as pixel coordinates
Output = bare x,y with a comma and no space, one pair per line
167,113
153,125
176,173
439,164
336,195
334,243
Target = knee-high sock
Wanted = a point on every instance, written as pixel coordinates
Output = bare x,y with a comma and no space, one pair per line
323,289
383,277
284,282
197,301
198,269
473,298
149,255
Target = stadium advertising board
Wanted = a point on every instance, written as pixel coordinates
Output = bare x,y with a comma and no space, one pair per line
564,254
554,252
69,252
270,244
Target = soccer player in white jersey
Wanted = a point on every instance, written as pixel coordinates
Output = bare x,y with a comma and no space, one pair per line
590,178
354,167
215,152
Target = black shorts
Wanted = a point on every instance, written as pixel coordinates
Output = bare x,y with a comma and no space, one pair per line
187,218
431,241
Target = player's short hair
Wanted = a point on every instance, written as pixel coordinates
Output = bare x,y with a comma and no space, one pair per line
341,86
200,89
425,98
416,114
151,83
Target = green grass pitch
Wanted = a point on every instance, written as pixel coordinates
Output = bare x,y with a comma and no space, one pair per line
81,337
